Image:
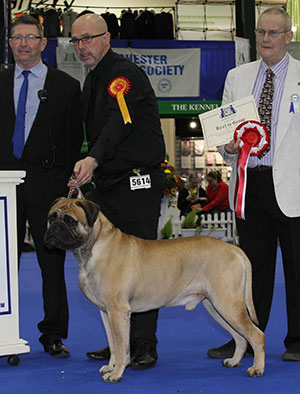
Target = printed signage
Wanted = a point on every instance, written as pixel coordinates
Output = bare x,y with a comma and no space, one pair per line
172,72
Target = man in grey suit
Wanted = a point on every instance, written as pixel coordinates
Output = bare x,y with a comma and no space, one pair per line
272,204
51,141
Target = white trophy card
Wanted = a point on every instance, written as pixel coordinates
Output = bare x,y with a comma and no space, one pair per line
219,124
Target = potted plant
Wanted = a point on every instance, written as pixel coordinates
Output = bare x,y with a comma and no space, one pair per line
173,183
189,224
167,231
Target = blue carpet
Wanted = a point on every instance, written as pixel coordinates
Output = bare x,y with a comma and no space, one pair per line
184,338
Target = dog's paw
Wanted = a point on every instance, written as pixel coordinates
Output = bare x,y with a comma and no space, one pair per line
106,369
111,377
229,363
254,372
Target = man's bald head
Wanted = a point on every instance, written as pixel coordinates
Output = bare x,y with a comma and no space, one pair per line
92,19
94,27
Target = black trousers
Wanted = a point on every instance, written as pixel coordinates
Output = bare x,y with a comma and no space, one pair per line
55,322
259,234
136,213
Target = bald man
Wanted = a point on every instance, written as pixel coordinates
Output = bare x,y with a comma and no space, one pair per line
123,142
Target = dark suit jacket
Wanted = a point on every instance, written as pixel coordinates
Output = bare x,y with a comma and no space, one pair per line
54,140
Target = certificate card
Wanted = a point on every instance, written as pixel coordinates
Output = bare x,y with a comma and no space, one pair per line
219,124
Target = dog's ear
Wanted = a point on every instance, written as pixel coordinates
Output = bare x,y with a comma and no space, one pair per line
91,210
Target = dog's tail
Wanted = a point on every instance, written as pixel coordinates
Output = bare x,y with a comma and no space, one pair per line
248,289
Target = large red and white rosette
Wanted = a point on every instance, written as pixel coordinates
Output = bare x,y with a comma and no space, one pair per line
255,139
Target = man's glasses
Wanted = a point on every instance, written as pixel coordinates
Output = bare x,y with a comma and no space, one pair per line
85,39
31,38
271,33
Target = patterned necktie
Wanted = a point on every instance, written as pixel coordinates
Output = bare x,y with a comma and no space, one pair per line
19,133
265,103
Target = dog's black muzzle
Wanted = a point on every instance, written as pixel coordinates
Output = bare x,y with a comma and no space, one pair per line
59,235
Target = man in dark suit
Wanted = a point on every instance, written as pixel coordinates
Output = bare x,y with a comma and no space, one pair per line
52,139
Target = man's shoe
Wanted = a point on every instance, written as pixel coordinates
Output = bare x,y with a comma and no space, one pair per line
57,349
99,355
144,357
292,353
227,350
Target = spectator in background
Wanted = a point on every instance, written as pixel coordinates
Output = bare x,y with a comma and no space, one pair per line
217,195
190,196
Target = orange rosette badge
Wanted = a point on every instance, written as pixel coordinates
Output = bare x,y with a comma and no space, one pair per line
118,87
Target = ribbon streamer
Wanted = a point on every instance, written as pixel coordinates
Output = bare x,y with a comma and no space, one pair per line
118,87
255,139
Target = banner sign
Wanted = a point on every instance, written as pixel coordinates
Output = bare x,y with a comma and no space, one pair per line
68,61
170,109
172,72
5,307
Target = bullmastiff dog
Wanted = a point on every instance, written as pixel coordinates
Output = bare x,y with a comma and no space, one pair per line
122,274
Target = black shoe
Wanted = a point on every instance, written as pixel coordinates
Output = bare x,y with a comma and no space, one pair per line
292,353
57,349
227,350
143,357
99,355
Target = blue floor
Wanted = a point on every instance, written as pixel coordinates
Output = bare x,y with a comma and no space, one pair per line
184,338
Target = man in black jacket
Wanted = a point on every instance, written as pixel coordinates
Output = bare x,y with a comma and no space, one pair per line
126,148
52,138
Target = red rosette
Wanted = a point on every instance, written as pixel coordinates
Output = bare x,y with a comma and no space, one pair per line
255,139
119,85
117,88
254,134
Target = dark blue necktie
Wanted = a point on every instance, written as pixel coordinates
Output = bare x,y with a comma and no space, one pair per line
19,133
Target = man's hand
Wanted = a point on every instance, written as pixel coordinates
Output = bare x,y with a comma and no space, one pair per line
83,170
232,147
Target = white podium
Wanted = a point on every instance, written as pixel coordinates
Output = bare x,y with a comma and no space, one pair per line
10,342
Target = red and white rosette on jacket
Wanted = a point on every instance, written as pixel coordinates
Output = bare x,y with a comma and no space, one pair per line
255,139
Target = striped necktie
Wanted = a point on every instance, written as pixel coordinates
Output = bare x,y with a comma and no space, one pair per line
265,103
19,132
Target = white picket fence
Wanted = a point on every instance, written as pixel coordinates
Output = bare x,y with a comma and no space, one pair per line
225,221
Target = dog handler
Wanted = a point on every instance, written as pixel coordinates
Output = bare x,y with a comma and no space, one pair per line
126,147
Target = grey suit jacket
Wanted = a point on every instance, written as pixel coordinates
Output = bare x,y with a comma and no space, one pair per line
286,162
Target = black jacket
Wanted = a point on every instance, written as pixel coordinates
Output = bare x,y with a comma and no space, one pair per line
117,147
54,141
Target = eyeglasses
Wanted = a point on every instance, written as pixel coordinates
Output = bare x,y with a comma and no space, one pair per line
31,38
271,33
85,39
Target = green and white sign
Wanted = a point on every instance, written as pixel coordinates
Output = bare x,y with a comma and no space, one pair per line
173,109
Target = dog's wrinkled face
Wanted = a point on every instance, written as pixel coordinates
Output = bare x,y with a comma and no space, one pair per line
70,222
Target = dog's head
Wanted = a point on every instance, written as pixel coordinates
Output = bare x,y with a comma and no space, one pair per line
70,223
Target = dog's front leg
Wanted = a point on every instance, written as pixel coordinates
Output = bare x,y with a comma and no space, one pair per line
118,336
110,367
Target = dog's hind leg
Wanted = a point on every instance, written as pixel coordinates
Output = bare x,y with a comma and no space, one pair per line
241,343
236,320
117,325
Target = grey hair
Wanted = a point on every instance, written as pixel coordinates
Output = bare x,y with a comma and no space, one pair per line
278,11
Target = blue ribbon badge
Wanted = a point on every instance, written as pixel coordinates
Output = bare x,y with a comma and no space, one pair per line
294,103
